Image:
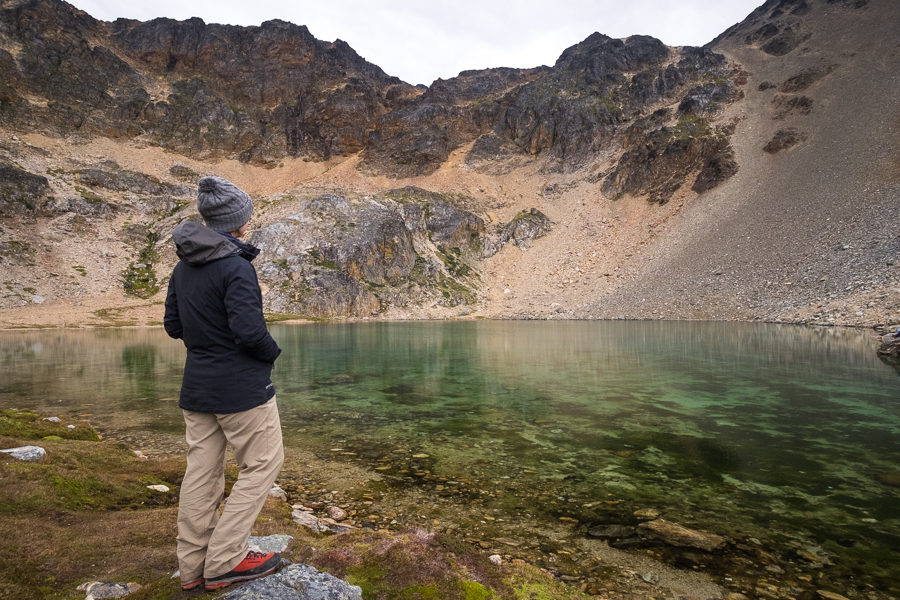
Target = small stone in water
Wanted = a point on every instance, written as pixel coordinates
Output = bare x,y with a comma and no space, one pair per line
337,513
830,595
421,455
646,513
52,419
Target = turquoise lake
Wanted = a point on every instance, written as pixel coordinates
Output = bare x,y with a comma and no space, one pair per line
776,436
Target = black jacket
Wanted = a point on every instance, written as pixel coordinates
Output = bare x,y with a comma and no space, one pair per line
215,305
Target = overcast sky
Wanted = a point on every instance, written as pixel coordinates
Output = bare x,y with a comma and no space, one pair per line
421,40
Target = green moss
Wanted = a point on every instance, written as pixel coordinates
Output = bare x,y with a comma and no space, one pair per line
451,257
473,590
455,291
370,578
691,126
81,270
139,278
314,254
30,426
421,592
89,196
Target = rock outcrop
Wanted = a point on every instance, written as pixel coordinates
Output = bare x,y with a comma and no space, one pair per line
356,256
263,93
297,582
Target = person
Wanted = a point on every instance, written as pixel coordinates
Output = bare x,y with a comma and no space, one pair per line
214,304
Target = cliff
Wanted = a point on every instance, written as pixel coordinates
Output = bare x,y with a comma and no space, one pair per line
748,179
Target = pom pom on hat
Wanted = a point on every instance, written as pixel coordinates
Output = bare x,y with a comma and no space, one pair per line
223,205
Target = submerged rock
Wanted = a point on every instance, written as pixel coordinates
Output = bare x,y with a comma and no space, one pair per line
26,453
606,532
323,525
891,479
677,535
297,582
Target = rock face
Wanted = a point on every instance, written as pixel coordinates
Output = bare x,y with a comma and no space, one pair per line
262,93
256,93
658,159
889,352
297,582
341,256
22,192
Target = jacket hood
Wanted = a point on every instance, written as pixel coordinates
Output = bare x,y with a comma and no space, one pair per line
197,245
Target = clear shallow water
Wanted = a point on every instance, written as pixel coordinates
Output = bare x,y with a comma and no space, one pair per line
757,432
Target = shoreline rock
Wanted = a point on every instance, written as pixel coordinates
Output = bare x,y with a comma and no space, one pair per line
678,535
26,453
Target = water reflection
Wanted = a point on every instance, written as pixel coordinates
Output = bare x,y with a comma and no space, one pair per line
783,430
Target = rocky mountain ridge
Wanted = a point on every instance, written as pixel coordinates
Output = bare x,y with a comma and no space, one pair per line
397,201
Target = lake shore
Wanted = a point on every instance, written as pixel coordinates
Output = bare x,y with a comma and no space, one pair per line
85,513
477,483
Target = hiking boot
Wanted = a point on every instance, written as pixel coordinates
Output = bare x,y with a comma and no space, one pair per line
192,585
254,565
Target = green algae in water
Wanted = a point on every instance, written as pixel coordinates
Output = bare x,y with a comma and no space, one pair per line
772,433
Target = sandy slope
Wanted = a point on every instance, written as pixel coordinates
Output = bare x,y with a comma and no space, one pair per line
803,234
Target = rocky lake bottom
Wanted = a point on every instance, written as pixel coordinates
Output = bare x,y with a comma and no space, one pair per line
762,459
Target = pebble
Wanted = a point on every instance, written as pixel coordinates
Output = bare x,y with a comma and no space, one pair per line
646,513
337,513
158,488
496,559
52,419
277,492
26,453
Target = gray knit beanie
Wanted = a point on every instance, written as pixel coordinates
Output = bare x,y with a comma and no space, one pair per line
223,205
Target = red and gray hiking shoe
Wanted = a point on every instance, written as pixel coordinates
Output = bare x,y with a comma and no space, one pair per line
192,585
254,565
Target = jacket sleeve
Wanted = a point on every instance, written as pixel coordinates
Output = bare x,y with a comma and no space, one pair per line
172,321
243,304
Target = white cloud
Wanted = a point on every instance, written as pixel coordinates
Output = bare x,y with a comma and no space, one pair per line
421,41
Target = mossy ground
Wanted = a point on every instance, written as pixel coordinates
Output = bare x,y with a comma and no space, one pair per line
84,513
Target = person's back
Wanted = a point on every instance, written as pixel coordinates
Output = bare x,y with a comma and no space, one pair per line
214,304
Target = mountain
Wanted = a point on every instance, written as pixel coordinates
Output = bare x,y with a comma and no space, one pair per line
753,178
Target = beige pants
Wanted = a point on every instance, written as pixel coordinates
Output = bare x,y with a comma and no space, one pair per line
210,545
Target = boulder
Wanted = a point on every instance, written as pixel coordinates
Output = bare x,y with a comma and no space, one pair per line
297,582
677,535
889,352
26,453
21,191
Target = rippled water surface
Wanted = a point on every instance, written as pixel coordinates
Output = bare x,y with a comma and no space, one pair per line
782,435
